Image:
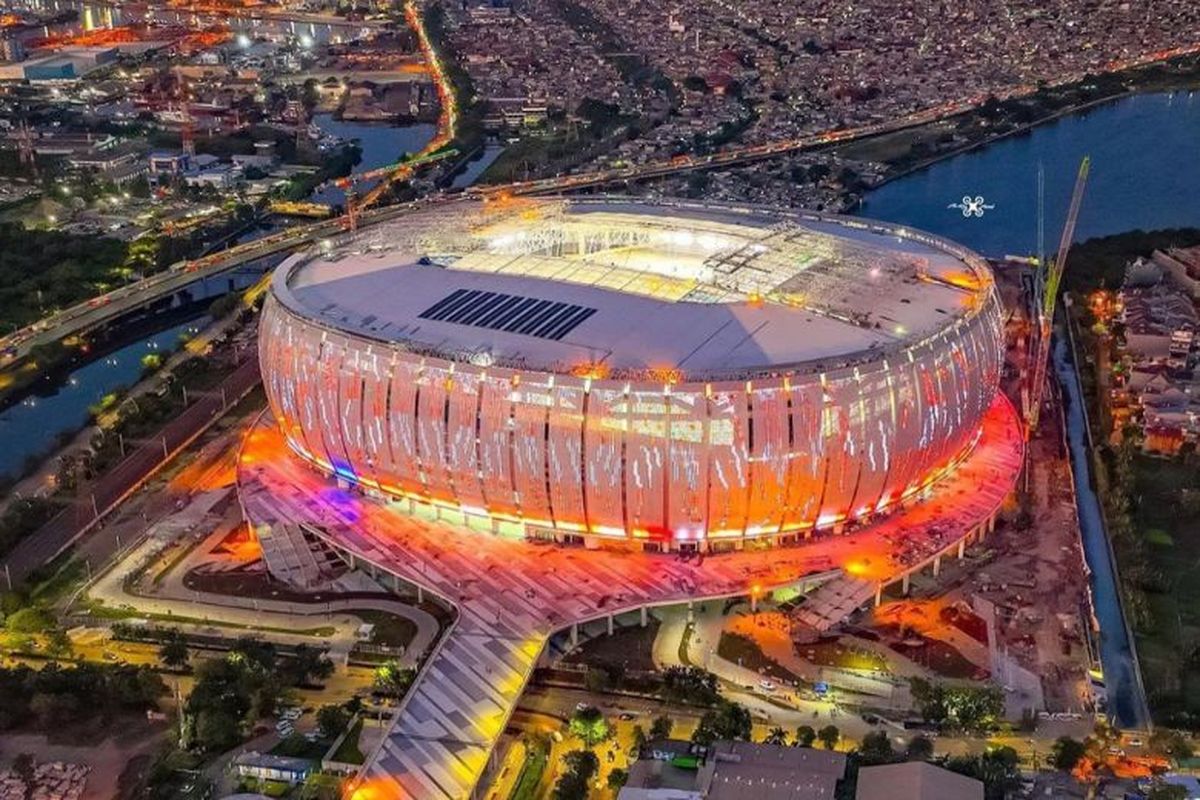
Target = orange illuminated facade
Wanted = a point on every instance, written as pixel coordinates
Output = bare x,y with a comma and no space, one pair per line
664,456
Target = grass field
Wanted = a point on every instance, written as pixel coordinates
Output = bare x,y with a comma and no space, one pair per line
630,648
745,651
531,775
390,630
348,751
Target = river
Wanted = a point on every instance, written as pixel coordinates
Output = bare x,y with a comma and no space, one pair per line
1145,174
1145,154
381,144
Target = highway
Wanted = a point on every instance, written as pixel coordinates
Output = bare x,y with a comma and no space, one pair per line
111,305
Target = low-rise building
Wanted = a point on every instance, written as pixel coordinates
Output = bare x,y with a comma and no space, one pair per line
915,780
267,767
675,770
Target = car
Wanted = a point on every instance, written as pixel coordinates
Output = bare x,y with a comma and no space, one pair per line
582,706
626,716
766,685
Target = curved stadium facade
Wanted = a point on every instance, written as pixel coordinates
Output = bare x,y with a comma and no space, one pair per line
681,374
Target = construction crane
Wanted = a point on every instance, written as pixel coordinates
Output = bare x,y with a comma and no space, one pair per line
387,174
1051,274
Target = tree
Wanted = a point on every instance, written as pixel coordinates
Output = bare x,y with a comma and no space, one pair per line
217,730
1169,743
589,724
968,708
306,665
996,769
52,709
920,748
829,736
30,620
726,721
58,643
776,735
174,650
578,768
25,768
876,748
332,720
805,736
690,685
1066,752
660,728
393,680
639,737
1166,791
617,778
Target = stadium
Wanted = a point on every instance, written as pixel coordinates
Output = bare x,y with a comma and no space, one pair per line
679,375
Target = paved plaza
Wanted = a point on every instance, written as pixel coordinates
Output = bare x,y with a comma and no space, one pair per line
511,595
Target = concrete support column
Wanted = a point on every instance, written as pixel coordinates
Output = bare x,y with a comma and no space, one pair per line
937,565
878,595
643,612
754,602
396,584
962,548
353,561
374,570
610,624
904,581
574,634
420,594
991,523
691,617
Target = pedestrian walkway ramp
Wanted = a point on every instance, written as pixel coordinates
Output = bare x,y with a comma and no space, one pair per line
833,603
292,557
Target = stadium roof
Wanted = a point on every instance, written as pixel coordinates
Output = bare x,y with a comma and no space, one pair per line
707,291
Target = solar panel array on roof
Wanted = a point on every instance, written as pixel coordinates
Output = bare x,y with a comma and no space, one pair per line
546,319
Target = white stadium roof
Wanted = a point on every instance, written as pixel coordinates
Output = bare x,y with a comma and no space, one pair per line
707,290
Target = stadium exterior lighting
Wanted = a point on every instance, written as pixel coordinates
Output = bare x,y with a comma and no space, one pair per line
542,370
